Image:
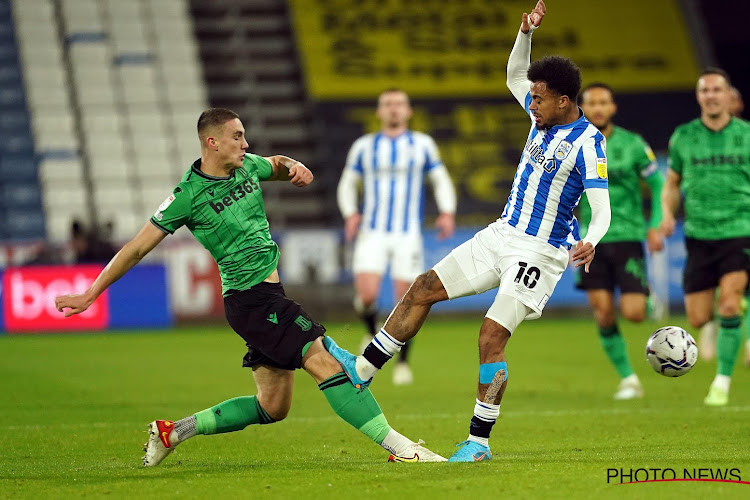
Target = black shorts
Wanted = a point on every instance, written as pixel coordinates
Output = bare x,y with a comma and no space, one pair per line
709,260
274,327
621,264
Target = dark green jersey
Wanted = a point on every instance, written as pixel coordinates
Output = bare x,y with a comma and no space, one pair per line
227,216
629,159
715,170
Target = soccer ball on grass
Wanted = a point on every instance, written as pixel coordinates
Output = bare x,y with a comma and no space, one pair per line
671,351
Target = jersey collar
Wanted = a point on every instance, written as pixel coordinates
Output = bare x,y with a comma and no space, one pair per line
197,171
581,119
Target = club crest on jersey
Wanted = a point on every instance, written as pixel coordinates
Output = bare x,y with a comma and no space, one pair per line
601,167
563,150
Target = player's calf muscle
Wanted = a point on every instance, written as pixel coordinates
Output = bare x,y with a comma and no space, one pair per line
427,289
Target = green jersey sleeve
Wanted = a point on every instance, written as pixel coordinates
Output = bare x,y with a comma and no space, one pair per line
260,165
174,212
675,160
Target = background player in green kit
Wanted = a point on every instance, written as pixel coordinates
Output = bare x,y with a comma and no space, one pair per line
710,161
219,199
620,259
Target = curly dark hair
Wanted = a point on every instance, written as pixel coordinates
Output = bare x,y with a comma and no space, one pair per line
559,73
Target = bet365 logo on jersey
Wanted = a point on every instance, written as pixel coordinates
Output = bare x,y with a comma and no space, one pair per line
235,195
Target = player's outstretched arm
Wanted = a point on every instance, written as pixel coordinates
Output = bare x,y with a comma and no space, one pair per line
132,253
288,169
670,200
520,56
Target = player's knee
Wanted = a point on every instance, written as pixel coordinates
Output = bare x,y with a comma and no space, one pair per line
699,318
277,408
729,308
636,314
605,316
492,342
364,301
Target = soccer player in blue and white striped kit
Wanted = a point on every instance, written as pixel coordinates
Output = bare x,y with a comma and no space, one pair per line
393,165
524,252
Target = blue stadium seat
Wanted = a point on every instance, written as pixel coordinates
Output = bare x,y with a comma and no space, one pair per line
11,73
24,224
21,214
18,141
3,232
12,120
21,195
18,167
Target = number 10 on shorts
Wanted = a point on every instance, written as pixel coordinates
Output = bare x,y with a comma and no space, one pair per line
529,275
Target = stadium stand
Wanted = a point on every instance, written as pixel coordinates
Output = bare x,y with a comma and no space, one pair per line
251,65
21,214
115,89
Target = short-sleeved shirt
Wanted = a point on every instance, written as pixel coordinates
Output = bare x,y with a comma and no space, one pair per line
715,170
227,216
630,159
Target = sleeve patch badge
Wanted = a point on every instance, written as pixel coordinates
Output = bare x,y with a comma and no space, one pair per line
165,204
601,168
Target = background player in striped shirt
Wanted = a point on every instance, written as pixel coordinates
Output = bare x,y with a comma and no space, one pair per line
525,252
220,201
710,164
620,261
392,166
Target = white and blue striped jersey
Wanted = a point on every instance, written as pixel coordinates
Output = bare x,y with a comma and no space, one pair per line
556,165
393,173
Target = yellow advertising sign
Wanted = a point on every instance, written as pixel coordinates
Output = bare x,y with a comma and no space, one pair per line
443,48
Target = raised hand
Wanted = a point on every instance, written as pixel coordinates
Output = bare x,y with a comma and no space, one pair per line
535,18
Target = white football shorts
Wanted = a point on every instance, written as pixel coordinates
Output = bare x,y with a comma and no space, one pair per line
375,251
500,256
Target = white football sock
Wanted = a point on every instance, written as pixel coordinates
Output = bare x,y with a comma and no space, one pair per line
387,344
396,443
365,369
722,382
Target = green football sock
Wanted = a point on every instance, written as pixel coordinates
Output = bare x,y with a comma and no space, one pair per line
355,406
617,352
232,415
728,344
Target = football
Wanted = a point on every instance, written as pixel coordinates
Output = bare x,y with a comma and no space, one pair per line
671,351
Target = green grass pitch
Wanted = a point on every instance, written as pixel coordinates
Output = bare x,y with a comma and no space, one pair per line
75,407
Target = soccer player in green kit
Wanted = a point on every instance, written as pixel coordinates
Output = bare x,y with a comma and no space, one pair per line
710,163
620,259
219,199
